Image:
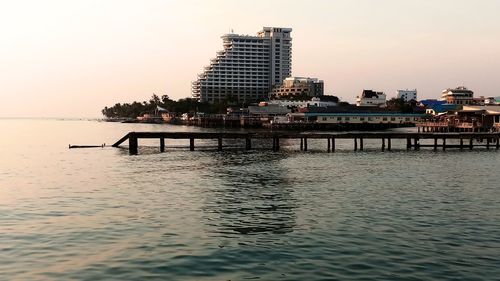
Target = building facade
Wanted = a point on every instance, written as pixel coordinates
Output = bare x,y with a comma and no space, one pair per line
460,95
298,87
248,67
371,98
407,95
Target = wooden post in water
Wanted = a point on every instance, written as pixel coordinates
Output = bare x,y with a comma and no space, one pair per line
219,144
461,144
328,144
435,144
333,144
360,143
389,144
132,144
277,143
408,143
248,143
383,144
162,144
487,143
498,143
305,144
470,143
301,144
444,144
191,144
355,144
417,143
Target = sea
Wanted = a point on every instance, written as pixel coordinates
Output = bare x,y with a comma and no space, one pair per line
101,214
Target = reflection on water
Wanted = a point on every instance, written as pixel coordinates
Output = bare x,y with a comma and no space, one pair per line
205,215
254,194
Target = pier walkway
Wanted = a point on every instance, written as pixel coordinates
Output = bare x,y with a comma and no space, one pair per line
467,140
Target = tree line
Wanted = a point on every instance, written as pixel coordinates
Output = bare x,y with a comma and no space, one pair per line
186,105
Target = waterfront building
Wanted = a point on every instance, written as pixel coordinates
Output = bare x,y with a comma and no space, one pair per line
407,95
460,95
293,87
371,98
388,118
248,66
315,101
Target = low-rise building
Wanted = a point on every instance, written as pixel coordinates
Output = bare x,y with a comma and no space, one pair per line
371,98
407,95
460,95
298,87
395,118
315,101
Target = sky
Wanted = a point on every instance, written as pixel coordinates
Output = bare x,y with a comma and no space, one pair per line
72,58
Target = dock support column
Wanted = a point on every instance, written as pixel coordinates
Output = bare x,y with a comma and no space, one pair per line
191,144
248,144
461,144
305,144
389,144
417,143
333,144
383,144
219,144
435,144
360,143
162,144
355,144
132,144
498,143
470,143
444,144
408,143
276,144
487,143
301,144
328,145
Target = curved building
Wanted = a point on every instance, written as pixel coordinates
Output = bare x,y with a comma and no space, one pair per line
247,68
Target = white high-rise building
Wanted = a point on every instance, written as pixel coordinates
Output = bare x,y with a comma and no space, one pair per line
407,95
248,67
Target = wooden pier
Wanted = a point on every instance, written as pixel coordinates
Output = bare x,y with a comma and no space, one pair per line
466,140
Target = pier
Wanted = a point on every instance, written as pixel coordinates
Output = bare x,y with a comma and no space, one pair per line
466,140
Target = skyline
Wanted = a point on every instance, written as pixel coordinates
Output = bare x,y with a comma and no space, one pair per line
72,59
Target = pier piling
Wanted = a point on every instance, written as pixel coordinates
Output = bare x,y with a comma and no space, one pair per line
361,146
191,144
389,144
248,143
219,144
333,144
132,145
355,144
383,144
162,144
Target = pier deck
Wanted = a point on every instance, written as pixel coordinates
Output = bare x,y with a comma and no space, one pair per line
467,140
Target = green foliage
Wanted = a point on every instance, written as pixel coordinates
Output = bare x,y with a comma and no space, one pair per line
400,105
186,105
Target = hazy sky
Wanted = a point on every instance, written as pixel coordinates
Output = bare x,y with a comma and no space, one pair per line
71,58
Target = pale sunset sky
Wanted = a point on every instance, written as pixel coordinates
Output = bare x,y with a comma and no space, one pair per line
70,58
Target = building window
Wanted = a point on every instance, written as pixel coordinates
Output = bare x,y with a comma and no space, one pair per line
339,118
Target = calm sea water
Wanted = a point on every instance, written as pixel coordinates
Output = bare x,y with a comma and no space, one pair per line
95,214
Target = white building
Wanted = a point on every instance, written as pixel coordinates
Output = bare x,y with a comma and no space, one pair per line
460,95
248,67
371,98
316,101
407,95
298,86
